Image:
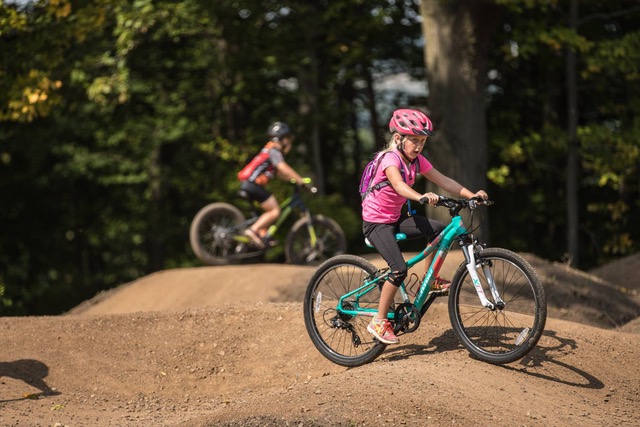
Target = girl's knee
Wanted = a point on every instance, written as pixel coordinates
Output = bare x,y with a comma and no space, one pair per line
398,276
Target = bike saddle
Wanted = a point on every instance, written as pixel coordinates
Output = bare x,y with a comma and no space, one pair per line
399,236
243,194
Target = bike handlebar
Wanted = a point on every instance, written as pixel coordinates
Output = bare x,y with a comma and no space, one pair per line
456,205
306,184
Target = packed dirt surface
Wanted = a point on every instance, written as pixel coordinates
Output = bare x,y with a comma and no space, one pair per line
227,346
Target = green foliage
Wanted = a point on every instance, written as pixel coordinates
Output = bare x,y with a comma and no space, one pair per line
528,123
121,119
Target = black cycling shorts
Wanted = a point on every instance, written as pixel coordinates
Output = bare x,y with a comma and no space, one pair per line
382,237
254,191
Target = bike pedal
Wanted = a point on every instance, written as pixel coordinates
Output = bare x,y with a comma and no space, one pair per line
271,243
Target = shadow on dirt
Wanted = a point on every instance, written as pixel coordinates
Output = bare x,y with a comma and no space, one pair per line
545,361
31,372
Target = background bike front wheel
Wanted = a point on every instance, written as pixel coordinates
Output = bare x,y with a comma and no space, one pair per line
330,241
341,338
509,332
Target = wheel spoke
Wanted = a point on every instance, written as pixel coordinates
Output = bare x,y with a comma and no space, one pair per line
340,337
503,334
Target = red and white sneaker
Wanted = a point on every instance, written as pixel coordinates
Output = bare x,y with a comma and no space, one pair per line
382,330
440,286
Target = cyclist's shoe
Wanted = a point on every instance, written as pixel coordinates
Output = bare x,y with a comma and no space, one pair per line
440,286
383,331
255,238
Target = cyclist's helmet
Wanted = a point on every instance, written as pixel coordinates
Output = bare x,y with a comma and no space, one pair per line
410,122
279,130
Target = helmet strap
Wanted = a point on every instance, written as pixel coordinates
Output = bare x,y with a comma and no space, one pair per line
401,147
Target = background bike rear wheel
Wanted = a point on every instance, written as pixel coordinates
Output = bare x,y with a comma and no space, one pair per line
211,234
330,238
505,334
341,338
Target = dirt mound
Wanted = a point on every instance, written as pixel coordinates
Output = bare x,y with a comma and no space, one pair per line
198,287
585,298
187,347
622,272
632,327
572,294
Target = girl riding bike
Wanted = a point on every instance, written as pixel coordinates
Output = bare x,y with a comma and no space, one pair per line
382,207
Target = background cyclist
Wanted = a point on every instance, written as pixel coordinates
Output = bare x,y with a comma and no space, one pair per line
267,164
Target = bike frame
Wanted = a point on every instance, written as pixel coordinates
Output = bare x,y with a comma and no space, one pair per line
287,207
441,245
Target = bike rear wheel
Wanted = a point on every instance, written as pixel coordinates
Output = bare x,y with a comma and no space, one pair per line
507,333
212,232
330,241
341,338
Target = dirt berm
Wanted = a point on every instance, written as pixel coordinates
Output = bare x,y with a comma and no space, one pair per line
227,346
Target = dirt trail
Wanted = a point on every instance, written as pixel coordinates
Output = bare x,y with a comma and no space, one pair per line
180,348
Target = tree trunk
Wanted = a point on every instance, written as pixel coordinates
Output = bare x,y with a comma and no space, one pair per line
373,110
155,246
457,35
572,157
309,81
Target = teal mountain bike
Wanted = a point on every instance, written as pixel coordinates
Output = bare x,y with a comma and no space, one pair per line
497,306
217,234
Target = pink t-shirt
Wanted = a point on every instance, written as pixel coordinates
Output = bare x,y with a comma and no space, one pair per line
384,205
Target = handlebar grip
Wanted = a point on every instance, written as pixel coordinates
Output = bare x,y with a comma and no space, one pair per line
423,200
482,201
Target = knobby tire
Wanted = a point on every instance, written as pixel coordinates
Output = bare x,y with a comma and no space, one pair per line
333,333
503,335
331,241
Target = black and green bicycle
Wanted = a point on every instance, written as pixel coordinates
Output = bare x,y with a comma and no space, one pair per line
217,233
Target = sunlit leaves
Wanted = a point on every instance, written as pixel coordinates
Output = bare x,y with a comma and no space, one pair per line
615,56
11,20
612,157
30,96
499,175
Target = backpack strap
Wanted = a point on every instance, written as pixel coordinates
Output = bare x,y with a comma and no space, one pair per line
385,182
379,185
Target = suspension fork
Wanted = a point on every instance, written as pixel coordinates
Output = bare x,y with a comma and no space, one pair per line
486,268
312,231
469,254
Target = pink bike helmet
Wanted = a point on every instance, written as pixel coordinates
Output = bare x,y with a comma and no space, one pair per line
410,122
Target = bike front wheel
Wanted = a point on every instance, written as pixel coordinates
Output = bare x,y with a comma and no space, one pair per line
329,241
341,338
511,329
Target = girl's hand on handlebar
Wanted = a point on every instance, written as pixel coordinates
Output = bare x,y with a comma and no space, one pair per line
430,198
482,194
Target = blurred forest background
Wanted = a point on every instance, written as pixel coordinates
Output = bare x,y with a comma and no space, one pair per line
120,119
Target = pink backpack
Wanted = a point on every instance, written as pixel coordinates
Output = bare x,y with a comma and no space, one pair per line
366,180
